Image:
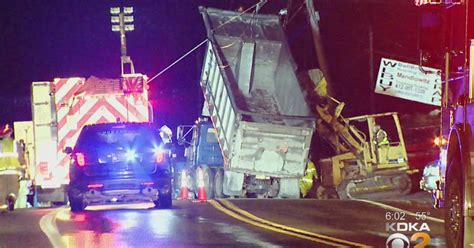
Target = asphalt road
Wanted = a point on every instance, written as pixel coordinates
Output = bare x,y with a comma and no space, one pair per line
223,223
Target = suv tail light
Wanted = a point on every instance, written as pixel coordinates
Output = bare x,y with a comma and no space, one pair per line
95,186
80,159
147,184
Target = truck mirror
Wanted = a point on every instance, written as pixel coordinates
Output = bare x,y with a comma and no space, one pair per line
166,134
179,134
67,150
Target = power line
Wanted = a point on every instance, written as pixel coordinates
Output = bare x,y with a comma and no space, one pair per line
177,61
205,40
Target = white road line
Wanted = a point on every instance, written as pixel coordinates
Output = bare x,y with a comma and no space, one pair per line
48,226
392,208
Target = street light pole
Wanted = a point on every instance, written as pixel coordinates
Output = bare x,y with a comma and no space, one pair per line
371,70
123,22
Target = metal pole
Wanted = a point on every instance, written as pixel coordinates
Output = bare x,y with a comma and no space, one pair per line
466,64
119,24
371,70
446,79
318,44
123,40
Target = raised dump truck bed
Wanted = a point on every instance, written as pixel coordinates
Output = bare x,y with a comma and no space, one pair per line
256,103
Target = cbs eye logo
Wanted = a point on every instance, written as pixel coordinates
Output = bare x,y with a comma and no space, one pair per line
398,240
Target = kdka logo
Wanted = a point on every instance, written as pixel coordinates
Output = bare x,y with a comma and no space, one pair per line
399,239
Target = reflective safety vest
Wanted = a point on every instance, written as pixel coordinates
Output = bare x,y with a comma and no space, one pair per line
382,139
306,182
9,158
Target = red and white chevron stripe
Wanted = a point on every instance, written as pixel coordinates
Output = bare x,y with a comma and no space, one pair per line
77,105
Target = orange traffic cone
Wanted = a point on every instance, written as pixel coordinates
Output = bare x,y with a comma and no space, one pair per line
201,190
184,185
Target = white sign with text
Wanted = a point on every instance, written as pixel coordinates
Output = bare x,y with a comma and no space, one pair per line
409,81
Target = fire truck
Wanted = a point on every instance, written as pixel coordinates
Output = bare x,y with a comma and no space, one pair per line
454,189
60,108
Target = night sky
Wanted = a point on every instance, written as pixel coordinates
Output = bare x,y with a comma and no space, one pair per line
42,40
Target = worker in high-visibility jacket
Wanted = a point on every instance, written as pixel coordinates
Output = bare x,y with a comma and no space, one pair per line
9,156
11,168
306,182
382,144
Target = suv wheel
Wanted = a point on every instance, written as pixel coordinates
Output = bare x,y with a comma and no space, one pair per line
77,205
164,201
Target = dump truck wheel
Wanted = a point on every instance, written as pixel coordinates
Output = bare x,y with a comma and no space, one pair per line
219,183
208,177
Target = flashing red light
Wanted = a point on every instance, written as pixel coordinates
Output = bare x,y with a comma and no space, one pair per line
80,159
148,183
160,156
422,2
437,2
95,186
43,168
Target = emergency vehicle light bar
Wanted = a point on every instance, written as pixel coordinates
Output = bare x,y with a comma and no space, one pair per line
437,2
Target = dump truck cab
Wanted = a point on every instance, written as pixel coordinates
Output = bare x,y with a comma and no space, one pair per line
202,151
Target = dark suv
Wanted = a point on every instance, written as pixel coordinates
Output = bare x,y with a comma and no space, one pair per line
119,163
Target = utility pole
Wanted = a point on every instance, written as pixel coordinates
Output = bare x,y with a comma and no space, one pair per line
123,22
371,70
318,44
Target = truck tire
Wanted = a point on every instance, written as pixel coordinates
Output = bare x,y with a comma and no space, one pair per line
219,183
453,207
164,202
77,205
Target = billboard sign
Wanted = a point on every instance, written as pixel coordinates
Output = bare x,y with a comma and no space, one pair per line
409,81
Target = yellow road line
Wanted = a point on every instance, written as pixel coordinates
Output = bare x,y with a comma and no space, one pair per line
48,226
231,206
219,207
216,205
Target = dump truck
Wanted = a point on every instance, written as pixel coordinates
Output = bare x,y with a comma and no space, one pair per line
256,104
62,107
